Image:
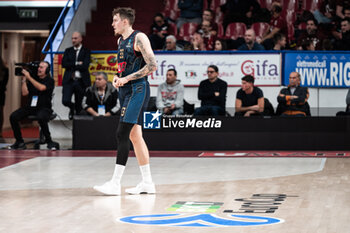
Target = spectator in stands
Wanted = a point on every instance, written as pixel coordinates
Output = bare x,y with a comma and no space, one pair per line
327,44
208,15
197,42
212,93
4,77
280,41
249,99
170,97
292,101
39,90
159,31
101,99
76,79
239,11
220,45
207,34
250,43
346,12
277,25
170,44
326,12
344,42
190,12
312,34
308,45
340,6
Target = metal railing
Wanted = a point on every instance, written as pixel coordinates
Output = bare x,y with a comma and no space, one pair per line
59,30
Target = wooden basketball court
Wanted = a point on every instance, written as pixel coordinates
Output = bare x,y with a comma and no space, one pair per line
272,192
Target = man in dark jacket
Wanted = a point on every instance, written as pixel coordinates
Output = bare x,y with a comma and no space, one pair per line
292,101
101,98
212,93
344,42
76,79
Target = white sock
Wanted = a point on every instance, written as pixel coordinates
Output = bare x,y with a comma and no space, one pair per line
118,173
146,174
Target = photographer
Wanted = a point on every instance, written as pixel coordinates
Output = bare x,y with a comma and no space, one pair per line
39,91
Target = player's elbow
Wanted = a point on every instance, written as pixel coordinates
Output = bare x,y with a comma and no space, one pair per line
153,66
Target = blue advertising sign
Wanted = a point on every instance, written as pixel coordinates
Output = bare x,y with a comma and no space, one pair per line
318,69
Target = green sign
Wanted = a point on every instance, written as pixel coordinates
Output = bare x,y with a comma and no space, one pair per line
195,207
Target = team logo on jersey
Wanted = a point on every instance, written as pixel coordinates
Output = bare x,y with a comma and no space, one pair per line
121,66
112,60
129,44
151,120
199,220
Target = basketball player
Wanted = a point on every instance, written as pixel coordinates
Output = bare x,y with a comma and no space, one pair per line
135,61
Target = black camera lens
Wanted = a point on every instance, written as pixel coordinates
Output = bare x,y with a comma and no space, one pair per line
18,71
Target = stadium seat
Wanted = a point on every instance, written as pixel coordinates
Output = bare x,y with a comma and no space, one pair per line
170,5
311,5
266,3
220,30
172,29
235,30
171,14
215,6
186,31
171,10
290,36
290,16
290,5
260,29
302,26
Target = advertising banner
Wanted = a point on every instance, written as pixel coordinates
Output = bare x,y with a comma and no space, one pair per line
191,68
319,69
99,62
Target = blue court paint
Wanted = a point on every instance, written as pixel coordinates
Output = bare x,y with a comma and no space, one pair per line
199,220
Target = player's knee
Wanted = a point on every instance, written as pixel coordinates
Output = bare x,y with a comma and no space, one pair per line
123,131
135,136
121,136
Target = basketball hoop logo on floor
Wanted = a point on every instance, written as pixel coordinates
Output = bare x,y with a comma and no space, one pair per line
151,120
200,220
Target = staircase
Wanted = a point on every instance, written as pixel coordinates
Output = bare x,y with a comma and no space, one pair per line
99,33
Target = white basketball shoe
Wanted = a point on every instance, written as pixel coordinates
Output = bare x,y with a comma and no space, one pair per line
109,188
142,188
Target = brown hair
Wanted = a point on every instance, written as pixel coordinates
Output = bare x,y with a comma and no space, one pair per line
125,13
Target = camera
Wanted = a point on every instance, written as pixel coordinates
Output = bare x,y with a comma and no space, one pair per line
31,67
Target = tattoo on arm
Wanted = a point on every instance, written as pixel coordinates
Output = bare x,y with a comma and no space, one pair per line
151,64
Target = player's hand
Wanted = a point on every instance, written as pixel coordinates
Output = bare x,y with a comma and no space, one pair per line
115,79
121,81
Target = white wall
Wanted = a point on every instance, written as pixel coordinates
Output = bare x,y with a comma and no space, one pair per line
81,17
